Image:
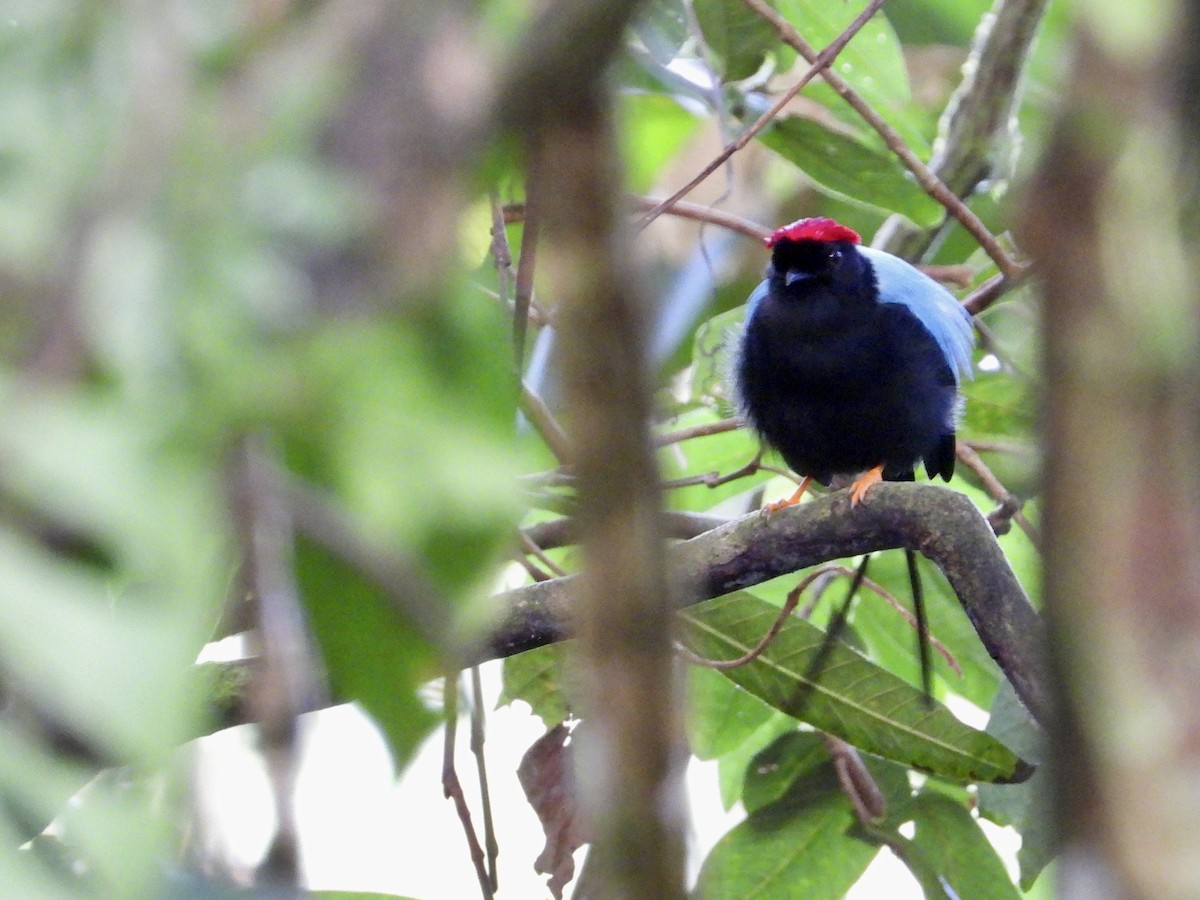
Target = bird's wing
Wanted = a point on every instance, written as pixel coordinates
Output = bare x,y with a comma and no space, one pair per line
934,306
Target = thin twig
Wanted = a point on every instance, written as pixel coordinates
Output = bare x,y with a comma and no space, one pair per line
698,212
547,426
452,788
1013,447
485,796
997,491
528,543
523,299
695,431
859,786
929,182
819,63
793,598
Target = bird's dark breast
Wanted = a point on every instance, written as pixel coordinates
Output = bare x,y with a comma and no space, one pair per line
839,393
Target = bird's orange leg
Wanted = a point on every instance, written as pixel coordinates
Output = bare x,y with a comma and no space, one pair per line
864,482
792,500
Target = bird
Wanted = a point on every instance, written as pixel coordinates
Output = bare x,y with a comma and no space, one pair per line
850,364
850,361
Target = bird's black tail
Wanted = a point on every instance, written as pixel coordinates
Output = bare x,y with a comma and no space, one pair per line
918,596
838,623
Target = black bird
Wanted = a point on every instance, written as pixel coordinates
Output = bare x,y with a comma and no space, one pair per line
849,365
851,359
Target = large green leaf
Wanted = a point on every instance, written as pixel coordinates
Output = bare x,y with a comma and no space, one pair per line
849,696
737,36
784,851
892,641
733,765
872,63
847,167
801,837
950,843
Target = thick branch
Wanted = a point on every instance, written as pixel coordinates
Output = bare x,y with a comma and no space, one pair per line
942,524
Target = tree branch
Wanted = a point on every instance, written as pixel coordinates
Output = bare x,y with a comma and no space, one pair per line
972,127
939,523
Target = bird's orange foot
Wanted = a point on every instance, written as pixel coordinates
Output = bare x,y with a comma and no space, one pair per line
864,482
790,501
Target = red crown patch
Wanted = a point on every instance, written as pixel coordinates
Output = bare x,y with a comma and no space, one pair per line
818,229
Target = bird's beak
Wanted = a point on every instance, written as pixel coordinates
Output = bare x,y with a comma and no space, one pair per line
791,276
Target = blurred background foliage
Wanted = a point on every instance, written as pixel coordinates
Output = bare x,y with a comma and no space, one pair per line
268,224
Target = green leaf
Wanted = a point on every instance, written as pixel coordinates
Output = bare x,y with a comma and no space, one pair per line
736,35
372,656
712,357
849,697
661,25
872,63
733,765
775,768
999,406
798,846
892,642
851,169
113,566
950,842
1026,807
722,716
536,676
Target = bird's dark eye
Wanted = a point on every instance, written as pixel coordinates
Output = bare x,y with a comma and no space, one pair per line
835,258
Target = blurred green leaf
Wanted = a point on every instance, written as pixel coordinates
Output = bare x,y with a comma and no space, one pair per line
654,127
661,25
80,630
372,655
713,352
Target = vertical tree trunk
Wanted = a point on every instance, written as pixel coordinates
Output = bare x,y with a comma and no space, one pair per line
1121,318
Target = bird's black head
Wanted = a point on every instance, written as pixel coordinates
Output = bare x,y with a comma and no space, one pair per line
819,253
